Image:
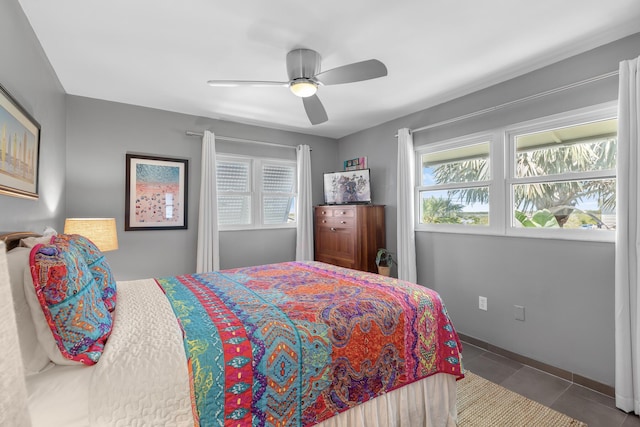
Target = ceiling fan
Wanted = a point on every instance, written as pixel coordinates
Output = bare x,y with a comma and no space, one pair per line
303,68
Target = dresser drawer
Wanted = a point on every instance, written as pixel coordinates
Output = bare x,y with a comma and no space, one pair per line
323,212
335,211
344,212
333,222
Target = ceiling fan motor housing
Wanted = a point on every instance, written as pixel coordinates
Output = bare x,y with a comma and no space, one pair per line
303,64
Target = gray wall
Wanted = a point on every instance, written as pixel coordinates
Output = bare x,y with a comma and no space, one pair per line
568,299
26,73
567,287
100,133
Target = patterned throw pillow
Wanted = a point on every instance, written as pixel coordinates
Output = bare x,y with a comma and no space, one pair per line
71,301
97,264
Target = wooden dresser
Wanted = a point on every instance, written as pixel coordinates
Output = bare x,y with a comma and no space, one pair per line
349,235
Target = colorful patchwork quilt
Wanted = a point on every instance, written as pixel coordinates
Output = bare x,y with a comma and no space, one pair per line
295,343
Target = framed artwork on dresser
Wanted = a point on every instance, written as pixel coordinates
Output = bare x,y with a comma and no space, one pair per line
19,149
156,193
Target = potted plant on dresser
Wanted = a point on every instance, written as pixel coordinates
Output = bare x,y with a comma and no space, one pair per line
384,261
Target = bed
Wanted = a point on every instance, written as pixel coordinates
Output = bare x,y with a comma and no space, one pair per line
288,344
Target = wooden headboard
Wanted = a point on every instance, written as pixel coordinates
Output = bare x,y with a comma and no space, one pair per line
12,239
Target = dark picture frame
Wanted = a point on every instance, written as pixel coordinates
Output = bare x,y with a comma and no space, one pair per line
156,194
19,149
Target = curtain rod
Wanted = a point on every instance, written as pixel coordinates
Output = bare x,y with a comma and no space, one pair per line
250,141
516,101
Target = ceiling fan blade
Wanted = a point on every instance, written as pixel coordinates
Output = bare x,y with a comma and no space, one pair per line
315,110
234,83
358,71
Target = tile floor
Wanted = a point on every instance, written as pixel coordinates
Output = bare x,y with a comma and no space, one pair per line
593,408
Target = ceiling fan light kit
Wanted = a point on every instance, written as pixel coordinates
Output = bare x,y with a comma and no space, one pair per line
303,69
303,87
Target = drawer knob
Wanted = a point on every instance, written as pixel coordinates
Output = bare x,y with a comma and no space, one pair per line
344,213
333,229
343,222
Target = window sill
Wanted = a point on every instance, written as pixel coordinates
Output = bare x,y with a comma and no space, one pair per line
572,235
257,228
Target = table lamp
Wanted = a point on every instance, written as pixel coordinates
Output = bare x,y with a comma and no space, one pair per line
101,231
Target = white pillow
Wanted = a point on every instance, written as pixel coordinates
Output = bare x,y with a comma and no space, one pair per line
34,357
29,242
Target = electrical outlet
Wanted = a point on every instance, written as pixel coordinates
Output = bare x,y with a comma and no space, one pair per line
482,303
519,312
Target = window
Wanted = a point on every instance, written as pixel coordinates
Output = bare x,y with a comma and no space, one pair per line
278,199
455,183
553,177
255,193
564,177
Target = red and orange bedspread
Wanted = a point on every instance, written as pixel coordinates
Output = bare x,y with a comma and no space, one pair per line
295,343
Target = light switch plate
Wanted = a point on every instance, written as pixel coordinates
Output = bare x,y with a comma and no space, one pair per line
482,303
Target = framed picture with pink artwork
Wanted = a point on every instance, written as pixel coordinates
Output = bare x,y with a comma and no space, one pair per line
156,193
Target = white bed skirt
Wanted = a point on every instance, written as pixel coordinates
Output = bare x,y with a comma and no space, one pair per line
111,392
59,398
430,402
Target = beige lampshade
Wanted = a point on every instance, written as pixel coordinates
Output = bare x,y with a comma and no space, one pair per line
101,231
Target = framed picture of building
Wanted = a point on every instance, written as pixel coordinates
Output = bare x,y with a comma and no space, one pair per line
19,149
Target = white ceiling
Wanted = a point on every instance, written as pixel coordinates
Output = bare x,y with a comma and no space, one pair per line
160,53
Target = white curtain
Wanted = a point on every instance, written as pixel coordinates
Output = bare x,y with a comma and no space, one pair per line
405,194
304,235
208,256
627,267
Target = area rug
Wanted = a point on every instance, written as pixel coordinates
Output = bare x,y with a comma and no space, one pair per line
482,403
